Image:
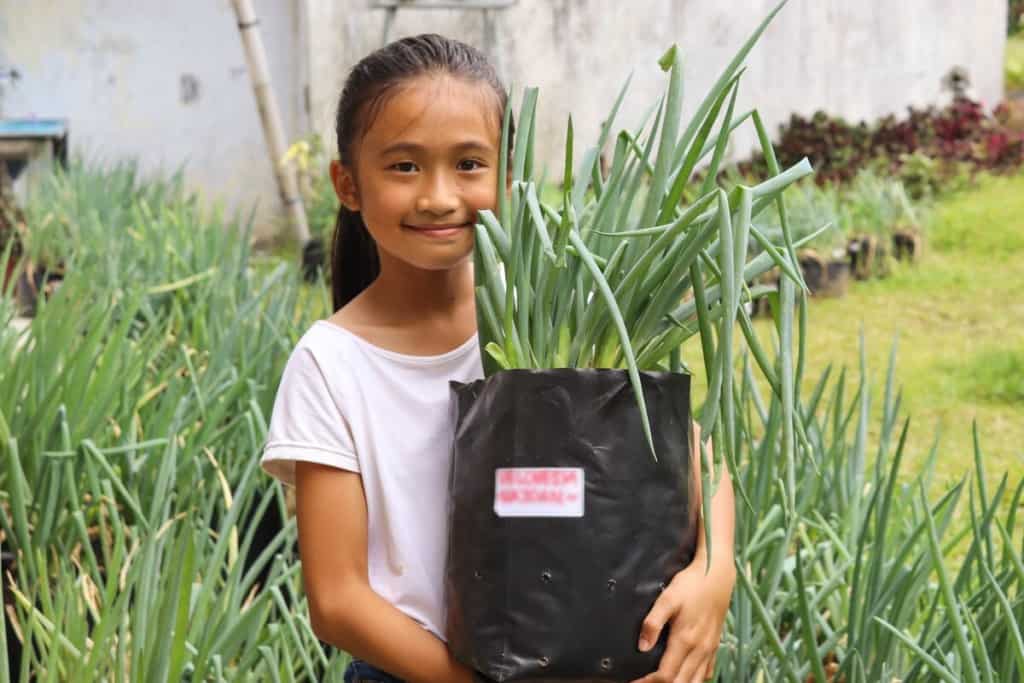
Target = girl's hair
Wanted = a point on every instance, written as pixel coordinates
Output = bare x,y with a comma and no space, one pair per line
354,259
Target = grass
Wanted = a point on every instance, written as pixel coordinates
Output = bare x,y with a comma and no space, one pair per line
1015,62
958,319
993,375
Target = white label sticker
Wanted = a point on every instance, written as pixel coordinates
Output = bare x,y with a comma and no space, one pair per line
538,492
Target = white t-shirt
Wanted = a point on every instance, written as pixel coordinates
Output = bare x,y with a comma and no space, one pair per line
346,403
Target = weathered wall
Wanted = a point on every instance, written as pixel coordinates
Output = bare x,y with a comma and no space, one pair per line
116,68
859,59
164,82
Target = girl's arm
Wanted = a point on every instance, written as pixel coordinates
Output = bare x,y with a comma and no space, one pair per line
344,610
694,605
723,517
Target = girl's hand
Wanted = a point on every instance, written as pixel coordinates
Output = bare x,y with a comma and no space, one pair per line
695,606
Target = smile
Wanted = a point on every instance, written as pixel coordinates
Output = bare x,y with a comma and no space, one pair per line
448,230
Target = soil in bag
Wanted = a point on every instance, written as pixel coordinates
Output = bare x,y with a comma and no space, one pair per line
564,529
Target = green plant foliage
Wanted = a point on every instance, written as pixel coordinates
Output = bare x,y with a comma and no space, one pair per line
859,561
875,205
808,207
1015,62
1015,17
132,413
129,491
131,417
959,137
623,271
85,205
311,160
994,375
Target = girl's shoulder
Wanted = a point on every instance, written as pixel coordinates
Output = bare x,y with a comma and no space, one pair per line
323,347
331,343
399,346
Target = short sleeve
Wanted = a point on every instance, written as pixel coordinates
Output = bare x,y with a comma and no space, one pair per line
307,423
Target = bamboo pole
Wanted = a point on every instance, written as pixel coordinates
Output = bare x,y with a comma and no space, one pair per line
270,116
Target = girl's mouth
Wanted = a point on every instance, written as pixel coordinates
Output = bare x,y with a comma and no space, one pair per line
448,230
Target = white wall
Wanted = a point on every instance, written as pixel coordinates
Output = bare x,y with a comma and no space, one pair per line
115,69
858,59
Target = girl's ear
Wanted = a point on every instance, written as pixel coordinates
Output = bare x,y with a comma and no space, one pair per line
344,182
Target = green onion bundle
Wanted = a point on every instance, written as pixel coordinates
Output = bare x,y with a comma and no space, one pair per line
623,270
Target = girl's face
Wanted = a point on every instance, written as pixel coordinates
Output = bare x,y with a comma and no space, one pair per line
424,167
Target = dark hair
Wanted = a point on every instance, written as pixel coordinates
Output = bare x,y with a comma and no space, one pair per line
354,259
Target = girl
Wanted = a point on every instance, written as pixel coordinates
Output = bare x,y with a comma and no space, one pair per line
361,424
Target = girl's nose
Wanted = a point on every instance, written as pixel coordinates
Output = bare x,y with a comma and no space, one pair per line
432,205
439,198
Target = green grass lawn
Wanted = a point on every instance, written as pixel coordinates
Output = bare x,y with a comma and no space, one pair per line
958,316
1015,62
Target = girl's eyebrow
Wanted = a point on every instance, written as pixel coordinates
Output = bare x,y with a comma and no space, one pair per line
413,148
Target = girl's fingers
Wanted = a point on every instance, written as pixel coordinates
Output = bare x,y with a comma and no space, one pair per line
669,665
700,674
663,610
691,669
709,672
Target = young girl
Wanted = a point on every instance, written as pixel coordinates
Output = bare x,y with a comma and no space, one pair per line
361,423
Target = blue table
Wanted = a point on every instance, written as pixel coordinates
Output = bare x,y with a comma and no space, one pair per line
25,138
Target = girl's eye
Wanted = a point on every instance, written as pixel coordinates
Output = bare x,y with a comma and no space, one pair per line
470,165
404,167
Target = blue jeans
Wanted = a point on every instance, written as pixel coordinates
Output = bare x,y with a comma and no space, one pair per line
359,671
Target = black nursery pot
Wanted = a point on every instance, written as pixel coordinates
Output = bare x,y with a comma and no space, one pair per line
564,529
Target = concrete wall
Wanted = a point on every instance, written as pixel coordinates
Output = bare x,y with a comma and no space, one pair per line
122,70
859,59
164,82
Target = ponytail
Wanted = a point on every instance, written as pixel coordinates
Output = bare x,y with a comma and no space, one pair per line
354,259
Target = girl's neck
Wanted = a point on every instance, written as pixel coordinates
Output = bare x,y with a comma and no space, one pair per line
412,295
413,311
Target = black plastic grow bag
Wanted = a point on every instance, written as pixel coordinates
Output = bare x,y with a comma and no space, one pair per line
564,529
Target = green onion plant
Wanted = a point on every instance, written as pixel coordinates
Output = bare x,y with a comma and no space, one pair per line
132,414
622,271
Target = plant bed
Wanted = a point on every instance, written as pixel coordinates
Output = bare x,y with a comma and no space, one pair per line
850,503
961,136
180,359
